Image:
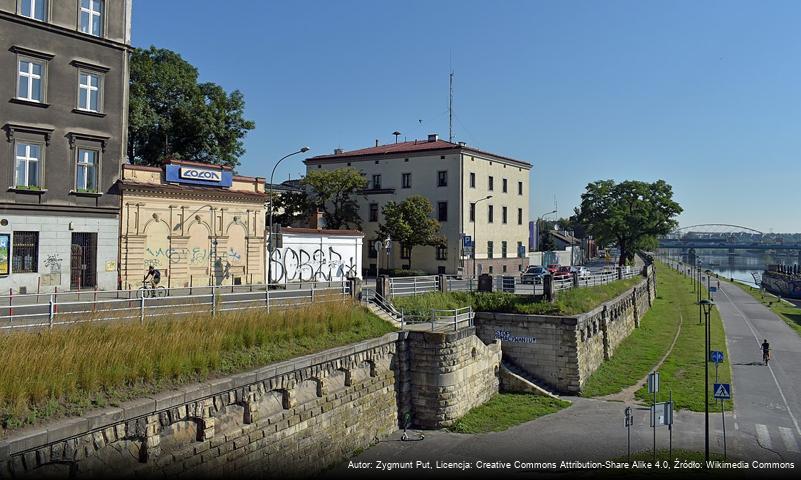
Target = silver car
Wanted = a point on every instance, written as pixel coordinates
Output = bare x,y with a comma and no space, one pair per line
533,275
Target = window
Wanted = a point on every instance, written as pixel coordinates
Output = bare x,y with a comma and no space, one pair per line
472,180
490,215
406,180
91,17
89,85
504,269
373,212
30,79
503,249
489,249
472,212
520,188
25,252
86,170
491,183
36,9
406,252
490,269
442,179
503,215
520,216
520,251
442,211
376,182
505,185
28,157
442,253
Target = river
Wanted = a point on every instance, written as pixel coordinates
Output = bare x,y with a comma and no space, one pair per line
741,266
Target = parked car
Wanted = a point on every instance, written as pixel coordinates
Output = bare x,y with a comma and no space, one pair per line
583,272
553,268
563,271
533,275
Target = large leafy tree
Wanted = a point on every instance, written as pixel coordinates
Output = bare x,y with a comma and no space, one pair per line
409,222
630,214
294,207
171,114
334,193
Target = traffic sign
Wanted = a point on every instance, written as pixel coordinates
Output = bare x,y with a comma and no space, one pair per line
716,357
467,241
713,289
653,382
722,391
662,414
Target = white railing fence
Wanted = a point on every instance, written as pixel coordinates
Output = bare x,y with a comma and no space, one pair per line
400,286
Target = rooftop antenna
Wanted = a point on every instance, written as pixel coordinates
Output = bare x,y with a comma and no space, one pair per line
450,109
397,134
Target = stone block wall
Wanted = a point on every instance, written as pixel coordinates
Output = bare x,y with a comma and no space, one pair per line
292,418
563,352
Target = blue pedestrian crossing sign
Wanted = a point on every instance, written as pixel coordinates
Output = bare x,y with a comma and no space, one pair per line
716,357
722,391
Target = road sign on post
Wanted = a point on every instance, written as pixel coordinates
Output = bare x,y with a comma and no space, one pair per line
722,391
653,382
716,357
662,414
467,241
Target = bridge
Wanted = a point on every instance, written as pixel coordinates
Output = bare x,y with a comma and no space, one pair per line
725,237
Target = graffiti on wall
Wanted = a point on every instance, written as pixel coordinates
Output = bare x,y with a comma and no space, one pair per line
53,263
300,265
162,257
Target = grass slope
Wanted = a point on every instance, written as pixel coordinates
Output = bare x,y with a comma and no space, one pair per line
789,313
641,351
506,410
65,371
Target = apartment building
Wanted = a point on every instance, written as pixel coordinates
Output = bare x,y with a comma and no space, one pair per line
457,179
64,113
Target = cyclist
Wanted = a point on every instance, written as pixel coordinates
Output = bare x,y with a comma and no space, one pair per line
152,277
765,351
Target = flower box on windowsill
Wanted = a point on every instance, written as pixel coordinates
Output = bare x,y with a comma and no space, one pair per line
85,193
27,189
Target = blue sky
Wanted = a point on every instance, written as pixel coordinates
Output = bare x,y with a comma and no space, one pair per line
705,95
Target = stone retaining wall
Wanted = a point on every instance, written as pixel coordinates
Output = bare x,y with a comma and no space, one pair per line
292,418
562,352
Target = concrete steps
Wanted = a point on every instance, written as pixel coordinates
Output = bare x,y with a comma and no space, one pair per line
514,379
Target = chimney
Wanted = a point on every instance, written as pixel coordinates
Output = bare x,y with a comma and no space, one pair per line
433,137
376,142
316,220
337,151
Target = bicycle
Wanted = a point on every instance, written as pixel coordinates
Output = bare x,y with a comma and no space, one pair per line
149,291
766,356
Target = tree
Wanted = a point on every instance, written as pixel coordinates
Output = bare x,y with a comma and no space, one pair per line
333,192
171,114
409,222
630,214
293,205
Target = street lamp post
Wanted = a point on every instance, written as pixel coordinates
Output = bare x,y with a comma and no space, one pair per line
708,283
537,229
706,305
270,245
475,221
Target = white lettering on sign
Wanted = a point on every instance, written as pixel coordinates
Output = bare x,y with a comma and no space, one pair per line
200,174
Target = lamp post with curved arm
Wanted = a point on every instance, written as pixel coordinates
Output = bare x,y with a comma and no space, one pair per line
270,245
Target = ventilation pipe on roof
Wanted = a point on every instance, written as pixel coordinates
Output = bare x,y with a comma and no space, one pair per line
433,137
376,142
337,151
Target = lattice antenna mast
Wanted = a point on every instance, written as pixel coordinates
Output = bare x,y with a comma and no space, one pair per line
450,109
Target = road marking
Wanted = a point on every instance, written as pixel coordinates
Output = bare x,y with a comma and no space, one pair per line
763,437
776,381
736,426
789,439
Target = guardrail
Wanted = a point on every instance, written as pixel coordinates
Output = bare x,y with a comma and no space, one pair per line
400,286
63,312
442,319
371,296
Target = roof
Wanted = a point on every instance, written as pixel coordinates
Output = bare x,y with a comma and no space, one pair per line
322,231
150,168
565,237
411,147
178,189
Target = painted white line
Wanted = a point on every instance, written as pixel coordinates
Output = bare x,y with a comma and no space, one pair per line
763,437
789,440
736,426
756,337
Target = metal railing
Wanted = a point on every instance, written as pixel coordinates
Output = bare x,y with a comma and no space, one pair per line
371,296
449,319
455,284
400,286
214,300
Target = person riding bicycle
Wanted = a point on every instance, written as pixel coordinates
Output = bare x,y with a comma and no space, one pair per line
152,278
765,351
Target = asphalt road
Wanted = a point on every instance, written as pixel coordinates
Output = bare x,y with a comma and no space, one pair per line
767,399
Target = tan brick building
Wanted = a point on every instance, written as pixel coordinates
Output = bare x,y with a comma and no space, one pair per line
198,224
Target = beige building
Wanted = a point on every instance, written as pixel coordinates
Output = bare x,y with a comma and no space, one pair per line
198,224
455,178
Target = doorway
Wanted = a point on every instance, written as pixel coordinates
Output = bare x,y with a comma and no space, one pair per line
83,261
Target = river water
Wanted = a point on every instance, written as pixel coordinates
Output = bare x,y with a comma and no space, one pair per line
741,266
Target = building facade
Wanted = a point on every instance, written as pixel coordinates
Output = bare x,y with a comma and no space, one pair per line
64,116
457,179
316,255
198,224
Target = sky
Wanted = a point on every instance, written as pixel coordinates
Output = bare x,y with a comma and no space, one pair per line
705,95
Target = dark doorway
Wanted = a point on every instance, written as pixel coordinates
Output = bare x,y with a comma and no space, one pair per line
83,261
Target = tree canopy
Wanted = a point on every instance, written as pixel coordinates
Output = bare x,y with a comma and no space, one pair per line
409,222
172,115
334,193
630,214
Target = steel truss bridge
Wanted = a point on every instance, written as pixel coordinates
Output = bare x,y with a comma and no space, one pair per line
725,237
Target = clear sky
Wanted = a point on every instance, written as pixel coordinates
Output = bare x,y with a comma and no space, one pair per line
703,94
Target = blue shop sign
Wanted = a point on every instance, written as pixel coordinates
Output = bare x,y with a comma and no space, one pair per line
199,176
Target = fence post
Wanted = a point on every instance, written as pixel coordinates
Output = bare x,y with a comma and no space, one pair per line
432,320
52,309
403,323
142,308
312,293
547,286
267,295
213,300
414,286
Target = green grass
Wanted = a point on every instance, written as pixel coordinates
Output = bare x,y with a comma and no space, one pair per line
683,370
65,371
789,313
641,351
506,410
567,302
